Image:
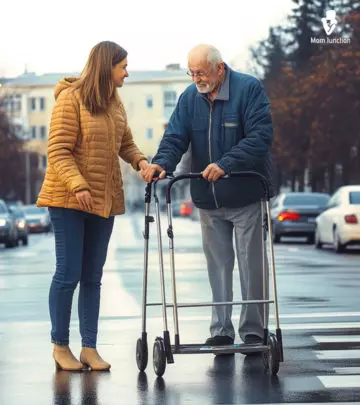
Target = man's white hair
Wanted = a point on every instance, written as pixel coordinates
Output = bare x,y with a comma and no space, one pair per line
214,56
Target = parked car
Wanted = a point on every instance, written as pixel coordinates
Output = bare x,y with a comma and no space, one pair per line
294,214
38,218
8,230
339,225
176,208
21,224
188,209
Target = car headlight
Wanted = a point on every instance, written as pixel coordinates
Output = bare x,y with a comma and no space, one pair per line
21,224
2,222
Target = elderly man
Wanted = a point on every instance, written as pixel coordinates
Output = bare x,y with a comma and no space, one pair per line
225,116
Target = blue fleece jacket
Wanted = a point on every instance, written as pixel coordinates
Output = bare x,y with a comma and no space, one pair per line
234,131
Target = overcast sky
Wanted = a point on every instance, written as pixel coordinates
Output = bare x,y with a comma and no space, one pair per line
56,36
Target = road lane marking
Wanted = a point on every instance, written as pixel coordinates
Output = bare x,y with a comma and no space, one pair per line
337,339
334,381
320,315
115,299
152,320
347,370
337,354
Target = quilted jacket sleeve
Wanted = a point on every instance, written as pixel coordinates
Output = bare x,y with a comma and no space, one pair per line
128,149
64,130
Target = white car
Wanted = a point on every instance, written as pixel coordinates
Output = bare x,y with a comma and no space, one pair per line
339,224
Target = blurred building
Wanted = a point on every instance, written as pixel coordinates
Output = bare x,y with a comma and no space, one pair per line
149,98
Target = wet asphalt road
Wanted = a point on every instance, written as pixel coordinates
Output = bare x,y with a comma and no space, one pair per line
319,312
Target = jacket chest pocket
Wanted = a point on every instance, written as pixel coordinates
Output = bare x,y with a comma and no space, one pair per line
231,132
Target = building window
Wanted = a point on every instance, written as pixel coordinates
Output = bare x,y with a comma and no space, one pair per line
18,131
42,132
32,104
169,98
149,102
33,132
42,162
149,133
12,103
42,103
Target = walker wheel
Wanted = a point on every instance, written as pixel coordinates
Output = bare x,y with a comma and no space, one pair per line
141,354
271,357
159,356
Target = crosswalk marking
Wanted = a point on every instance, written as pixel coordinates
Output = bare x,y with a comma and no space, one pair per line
344,377
349,381
337,339
337,354
347,370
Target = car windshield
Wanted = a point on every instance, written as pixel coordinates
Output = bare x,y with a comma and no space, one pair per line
2,209
34,210
354,197
18,213
306,199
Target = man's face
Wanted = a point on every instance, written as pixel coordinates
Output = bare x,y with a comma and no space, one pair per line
205,75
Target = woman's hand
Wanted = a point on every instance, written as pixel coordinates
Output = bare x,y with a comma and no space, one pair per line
143,164
150,171
85,200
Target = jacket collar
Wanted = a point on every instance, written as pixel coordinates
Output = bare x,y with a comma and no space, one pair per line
224,91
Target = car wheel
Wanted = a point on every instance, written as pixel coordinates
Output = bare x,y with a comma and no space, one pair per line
310,240
25,240
318,243
339,247
275,236
11,243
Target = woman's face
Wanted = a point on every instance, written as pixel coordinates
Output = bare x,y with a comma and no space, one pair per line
119,73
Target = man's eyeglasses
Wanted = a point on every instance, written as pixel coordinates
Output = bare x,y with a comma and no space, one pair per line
199,74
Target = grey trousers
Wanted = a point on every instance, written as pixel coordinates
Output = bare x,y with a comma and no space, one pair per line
218,228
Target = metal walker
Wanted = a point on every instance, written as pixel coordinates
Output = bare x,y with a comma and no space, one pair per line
163,351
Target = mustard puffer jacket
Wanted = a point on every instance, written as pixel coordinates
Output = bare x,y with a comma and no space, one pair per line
83,154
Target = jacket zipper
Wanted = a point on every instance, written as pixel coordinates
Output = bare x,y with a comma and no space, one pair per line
210,155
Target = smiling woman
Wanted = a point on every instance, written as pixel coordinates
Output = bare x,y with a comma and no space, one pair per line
83,189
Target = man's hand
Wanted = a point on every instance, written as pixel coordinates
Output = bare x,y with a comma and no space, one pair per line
213,172
85,200
150,170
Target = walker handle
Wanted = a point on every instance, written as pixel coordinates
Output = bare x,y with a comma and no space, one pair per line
198,176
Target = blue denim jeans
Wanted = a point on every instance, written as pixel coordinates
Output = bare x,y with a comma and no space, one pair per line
81,242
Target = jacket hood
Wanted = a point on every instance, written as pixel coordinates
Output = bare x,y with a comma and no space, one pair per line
63,84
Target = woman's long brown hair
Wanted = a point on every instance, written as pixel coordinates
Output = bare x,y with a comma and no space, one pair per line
96,84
